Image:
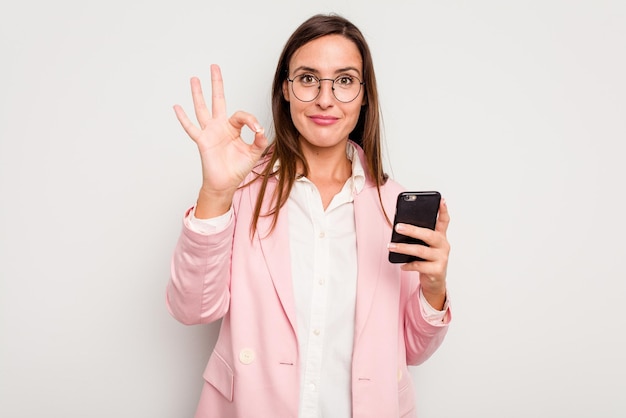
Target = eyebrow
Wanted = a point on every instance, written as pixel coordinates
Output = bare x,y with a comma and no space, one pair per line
313,70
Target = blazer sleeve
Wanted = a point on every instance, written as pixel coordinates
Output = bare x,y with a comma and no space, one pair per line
422,338
198,291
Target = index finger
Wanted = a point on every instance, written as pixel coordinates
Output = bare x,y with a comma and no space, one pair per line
443,220
218,100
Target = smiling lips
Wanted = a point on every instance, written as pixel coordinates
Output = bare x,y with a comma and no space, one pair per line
323,120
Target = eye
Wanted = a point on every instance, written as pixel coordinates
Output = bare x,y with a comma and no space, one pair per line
344,81
307,79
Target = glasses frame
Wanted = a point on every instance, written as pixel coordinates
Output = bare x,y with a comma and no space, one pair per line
319,87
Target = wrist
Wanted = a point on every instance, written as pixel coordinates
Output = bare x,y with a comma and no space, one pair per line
211,204
435,298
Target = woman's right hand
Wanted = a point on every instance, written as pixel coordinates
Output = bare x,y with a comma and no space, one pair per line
226,158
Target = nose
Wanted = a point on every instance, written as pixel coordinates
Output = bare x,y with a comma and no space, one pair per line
326,95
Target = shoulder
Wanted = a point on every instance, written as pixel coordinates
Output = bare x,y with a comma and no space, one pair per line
391,186
389,190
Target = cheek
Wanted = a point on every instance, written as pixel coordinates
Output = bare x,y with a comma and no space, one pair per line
296,114
354,111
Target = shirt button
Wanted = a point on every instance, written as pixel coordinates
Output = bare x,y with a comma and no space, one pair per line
312,387
316,331
321,282
246,356
322,234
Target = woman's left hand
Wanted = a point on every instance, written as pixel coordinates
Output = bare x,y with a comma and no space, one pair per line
435,265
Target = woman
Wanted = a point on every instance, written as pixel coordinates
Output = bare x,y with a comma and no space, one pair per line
288,245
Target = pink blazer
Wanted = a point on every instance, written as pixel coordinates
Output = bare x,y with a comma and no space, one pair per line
253,371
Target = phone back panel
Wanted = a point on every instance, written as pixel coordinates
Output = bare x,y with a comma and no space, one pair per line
415,208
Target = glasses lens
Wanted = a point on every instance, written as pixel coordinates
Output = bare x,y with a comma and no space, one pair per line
346,88
306,87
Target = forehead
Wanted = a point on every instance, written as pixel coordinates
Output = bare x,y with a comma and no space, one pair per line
329,53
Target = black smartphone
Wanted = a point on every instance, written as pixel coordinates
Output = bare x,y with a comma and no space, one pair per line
415,208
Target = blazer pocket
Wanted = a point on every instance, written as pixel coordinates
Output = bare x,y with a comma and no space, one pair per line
220,375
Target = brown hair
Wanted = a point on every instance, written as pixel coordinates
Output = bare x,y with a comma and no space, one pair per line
286,146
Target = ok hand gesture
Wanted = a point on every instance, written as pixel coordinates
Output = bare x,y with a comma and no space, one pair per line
226,158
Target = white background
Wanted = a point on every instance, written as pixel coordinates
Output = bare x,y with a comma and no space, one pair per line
515,111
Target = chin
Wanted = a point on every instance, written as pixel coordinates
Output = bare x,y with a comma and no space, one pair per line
324,142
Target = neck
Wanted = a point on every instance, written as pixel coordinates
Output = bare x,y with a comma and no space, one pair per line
328,164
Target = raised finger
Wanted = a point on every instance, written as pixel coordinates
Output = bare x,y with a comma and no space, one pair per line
202,112
188,126
217,92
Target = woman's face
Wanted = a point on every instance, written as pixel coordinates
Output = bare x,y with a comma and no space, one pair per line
325,122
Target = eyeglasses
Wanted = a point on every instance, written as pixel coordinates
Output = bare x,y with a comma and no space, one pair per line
306,87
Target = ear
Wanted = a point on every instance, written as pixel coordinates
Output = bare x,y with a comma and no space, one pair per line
286,90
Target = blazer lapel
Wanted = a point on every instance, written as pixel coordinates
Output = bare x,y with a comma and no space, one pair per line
276,252
370,236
